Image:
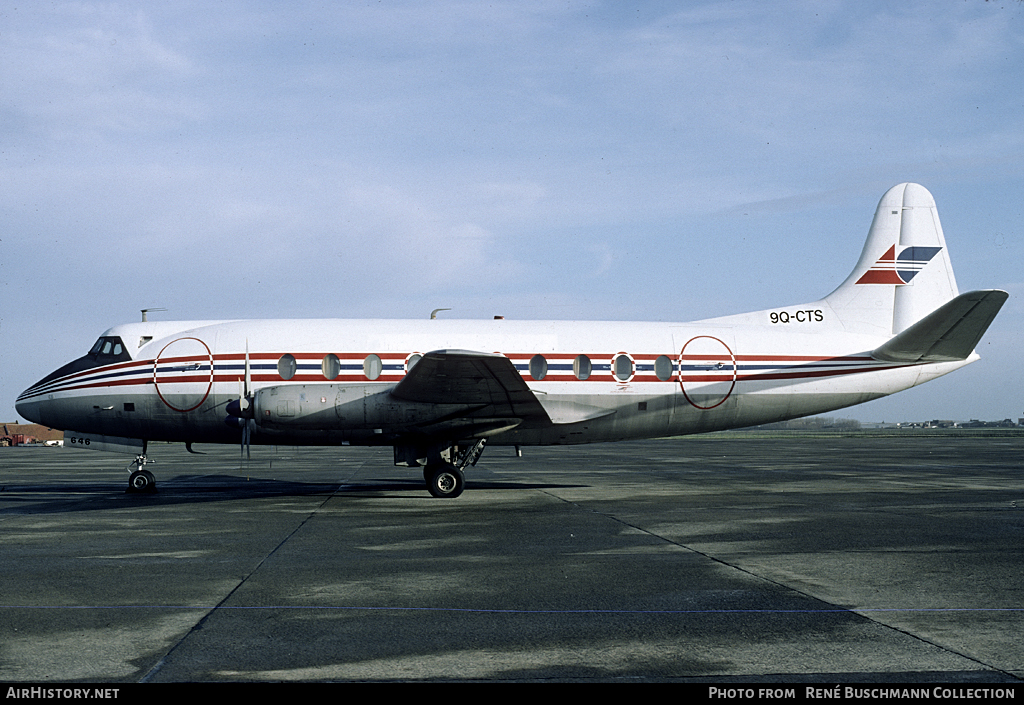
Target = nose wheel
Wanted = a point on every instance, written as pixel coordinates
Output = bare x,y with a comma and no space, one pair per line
141,481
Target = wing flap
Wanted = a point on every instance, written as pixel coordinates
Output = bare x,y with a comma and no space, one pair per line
949,333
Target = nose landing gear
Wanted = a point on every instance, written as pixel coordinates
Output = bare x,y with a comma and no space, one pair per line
141,481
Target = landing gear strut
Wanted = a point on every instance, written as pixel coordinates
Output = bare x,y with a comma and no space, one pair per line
141,481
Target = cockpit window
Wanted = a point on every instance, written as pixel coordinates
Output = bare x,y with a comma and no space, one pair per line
107,351
109,348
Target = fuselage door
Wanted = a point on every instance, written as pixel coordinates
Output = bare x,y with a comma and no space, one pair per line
707,371
183,373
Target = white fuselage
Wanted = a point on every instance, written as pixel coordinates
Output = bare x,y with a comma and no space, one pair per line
597,381
439,390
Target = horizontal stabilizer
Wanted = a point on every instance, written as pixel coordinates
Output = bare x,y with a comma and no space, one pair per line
948,333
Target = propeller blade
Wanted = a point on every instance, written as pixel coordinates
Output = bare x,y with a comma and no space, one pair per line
248,375
244,408
246,435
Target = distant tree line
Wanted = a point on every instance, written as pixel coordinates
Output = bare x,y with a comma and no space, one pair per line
814,423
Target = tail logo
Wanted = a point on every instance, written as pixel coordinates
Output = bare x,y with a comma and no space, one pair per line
893,269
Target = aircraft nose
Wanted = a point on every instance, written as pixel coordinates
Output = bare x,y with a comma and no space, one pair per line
37,403
34,405
28,410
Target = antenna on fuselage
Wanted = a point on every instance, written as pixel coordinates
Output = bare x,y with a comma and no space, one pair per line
433,314
147,310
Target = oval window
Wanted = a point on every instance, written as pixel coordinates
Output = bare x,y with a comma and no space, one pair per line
663,368
538,367
331,366
372,366
622,366
411,361
581,367
286,366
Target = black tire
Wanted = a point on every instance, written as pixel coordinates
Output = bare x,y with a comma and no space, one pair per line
141,481
445,481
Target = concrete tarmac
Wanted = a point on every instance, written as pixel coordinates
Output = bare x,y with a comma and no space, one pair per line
709,559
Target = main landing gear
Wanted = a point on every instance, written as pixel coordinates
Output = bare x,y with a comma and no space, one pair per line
141,481
446,480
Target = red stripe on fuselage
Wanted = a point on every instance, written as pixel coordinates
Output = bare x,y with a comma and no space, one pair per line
77,381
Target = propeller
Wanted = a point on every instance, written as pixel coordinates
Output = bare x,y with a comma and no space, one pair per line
243,409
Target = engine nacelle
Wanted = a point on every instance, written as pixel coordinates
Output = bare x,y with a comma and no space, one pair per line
339,407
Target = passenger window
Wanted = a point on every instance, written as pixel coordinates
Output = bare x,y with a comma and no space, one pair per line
411,361
663,368
331,366
372,367
622,366
286,366
538,367
581,367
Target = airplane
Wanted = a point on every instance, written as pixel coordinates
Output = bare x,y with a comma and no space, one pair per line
438,390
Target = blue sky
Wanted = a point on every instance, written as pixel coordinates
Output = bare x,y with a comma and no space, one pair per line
662,161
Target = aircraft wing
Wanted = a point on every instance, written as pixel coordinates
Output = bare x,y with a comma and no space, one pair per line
948,333
487,381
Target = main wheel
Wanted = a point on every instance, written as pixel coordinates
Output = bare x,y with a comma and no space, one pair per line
141,481
445,481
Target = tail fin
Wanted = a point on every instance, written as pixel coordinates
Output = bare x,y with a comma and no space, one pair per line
904,271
